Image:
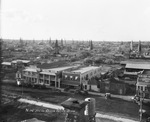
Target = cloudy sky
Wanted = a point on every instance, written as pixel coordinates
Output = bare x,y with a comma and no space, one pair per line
119,20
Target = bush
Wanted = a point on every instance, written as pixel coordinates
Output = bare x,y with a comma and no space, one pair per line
109,61
99,60
88,61
84,54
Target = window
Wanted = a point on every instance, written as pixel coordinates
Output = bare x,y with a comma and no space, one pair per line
29,73
46,77
87,77
32,79
71,77
91,73
76,78
41,81
85,86
141,88
46,82
33,73
35,80
66,76
146,89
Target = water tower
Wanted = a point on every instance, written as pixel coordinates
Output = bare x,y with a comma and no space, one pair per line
77,110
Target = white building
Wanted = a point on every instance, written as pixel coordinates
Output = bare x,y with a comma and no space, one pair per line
47,77
81,76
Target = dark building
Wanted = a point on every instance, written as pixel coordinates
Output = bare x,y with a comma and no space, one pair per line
113,86
143,84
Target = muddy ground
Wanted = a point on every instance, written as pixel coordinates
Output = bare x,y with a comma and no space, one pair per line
14,111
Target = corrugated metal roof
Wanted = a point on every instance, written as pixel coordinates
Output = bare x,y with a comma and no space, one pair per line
138,66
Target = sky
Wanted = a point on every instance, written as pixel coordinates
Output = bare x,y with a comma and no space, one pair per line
97,20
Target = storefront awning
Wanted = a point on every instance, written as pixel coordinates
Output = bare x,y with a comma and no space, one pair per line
71,83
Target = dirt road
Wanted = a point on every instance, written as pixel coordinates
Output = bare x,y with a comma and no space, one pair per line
53,106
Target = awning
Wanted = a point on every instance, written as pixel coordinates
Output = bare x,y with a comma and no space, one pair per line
71,83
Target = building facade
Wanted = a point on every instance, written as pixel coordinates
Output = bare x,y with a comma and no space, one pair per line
80,76
133,68
113,86
43,77
143,84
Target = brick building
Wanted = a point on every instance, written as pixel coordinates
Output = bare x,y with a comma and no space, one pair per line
81,77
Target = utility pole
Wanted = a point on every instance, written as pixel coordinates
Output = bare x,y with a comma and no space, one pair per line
141,105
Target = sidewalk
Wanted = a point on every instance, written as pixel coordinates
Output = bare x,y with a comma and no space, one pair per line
58,107
127,98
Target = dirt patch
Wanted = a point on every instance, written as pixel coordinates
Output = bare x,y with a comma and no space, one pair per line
112,106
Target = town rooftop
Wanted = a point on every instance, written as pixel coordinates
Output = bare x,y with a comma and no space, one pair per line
85,69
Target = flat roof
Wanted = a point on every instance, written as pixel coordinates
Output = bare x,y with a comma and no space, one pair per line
24,61
135,61
138,66
61,68
47,73
53,65
6,63
85,69
30,69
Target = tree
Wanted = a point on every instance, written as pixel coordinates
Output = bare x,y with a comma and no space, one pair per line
99,60
62,43
88,61
91,45
56,47
74,59
109,61
84,54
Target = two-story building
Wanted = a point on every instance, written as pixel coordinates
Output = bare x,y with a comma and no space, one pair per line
143,84
81,77
37,76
